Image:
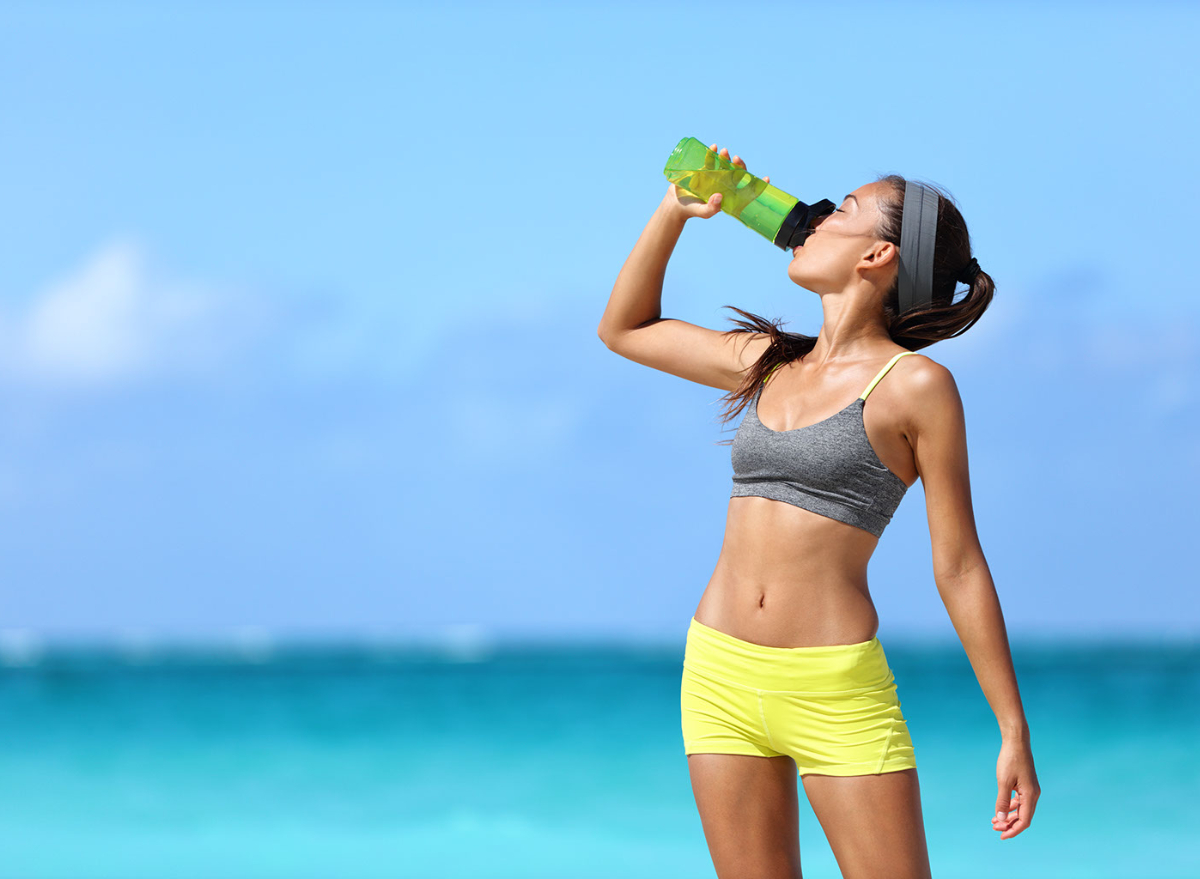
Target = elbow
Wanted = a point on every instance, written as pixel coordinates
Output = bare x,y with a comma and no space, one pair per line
607,336
962,568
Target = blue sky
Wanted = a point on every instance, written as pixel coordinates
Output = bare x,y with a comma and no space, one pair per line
298,306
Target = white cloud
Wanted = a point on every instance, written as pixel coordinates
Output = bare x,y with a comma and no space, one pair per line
112,321
1076,324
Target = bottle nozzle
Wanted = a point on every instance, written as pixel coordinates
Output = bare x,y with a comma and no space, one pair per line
800,221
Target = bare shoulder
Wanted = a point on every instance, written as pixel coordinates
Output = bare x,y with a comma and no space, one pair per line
923,373
933,392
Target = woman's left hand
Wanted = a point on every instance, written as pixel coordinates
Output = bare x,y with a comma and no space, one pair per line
1014,771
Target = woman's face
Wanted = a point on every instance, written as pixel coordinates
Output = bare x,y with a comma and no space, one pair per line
831,256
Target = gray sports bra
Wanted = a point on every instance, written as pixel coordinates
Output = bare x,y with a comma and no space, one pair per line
828,468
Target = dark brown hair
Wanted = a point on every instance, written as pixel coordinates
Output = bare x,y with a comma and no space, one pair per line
940,319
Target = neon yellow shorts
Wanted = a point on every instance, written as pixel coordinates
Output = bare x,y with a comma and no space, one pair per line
833,709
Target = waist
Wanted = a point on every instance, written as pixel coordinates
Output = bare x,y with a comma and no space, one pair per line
824,669
775,596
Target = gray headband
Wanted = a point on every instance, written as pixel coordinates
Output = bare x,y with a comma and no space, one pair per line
918,231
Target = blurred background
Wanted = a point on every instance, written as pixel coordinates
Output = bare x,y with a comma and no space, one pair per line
333,541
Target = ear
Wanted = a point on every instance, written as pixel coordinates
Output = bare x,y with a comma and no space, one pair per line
884,253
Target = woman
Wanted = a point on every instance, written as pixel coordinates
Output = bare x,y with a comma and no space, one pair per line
783,672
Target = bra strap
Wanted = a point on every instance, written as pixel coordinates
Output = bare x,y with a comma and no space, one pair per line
882,373
771,370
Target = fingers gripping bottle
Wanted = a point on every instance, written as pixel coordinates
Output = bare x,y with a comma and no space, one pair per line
782,219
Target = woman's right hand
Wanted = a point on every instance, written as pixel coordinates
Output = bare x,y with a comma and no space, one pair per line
686,205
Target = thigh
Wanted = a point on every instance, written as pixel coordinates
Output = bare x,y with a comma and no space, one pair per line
750,812
873,823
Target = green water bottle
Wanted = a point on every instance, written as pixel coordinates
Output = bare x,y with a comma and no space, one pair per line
782,219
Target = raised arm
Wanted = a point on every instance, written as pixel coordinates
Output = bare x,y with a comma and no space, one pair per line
633,325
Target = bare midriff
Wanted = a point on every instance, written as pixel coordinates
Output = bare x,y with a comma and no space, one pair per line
787,577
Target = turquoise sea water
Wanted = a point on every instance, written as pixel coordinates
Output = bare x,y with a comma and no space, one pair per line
541,761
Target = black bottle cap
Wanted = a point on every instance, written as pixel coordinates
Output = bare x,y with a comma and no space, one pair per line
798,224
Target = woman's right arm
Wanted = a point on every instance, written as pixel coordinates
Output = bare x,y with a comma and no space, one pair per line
633,325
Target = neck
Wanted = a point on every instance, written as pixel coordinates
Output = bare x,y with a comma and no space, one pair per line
851,331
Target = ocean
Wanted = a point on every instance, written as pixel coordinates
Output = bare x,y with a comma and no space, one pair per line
537,760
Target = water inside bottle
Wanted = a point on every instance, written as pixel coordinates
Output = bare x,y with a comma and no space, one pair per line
738,188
